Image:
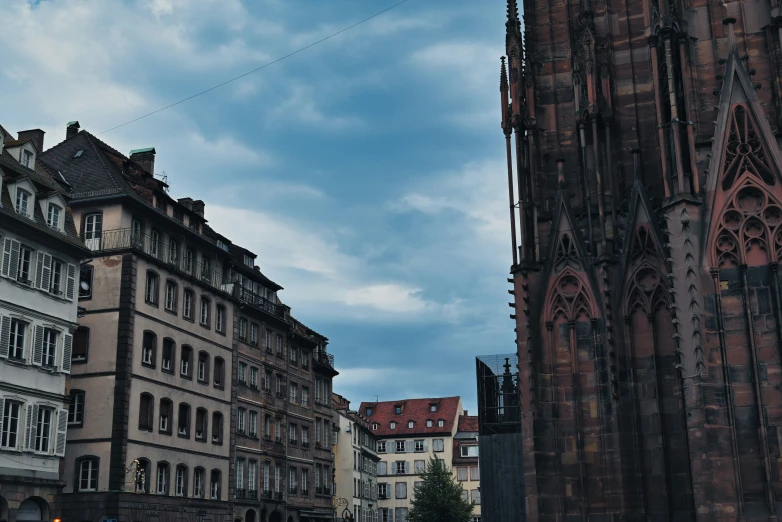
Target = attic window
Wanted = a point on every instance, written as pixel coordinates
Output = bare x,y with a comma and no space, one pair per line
441,423
22,201
410,425
393,425
369,412
374,426
53,216
429,423
27,158
248,260
398,410
433,407
78,154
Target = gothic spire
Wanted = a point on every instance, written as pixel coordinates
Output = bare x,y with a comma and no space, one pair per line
513,25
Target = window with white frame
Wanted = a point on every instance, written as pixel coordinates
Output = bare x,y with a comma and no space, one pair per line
243,329
88,475
214,485
252,475
56,277
181,475
240,474
171,295
305,396
440,423
204,311
242,373
17,339
151,294
400,446
254,377
393,425
469,451
240,421
381,446
43,429
293,389
419,445
53,215
304,476
253,334
429,423
401,490
401,467
266,473
382,490
23,198
154,243
76,407
24,269
220,319
198,483
49,355
11,429
173,258
187,307
162,478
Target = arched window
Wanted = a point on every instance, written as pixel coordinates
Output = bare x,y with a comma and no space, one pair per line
162,479
87,477
198,482
142,475
165,416
171,296
205,311
186,362
200,429
183,420
217,428
169,357
151,295
219,372
187,306
203,367
146,412
220,319
214,485
149,349
180,489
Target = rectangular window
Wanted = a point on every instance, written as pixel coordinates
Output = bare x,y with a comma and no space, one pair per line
17,339
180,482
9,437
22,199
304,476
292,475
187,307
382,490
254,334
277,474
475,473
400,446
240,421
469,451
293,389
49,356
401,490
242,374
461,474
214,485
437,445
55,279
198,483
268,340
88,475
279,344
170,296
204,312
305,396
220,319
381,446
240,474
252,475
151,289
243,330
252,422
254,378
381,468
401,465
43,429
76,408
420,466
305,435
292,433
476,496
168,356
267,380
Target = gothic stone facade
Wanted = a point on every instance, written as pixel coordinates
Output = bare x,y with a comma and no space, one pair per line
645,181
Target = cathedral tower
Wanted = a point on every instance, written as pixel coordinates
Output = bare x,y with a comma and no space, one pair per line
645,197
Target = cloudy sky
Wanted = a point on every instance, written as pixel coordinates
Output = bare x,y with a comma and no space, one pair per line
366,171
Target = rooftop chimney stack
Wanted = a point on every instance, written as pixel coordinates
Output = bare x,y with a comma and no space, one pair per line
186,202
72,129
145,158
198,207
34,135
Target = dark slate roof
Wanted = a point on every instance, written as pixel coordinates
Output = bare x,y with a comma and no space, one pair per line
416,410
16,143
12,171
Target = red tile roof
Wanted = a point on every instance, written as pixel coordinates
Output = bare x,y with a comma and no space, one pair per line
468,423
416,410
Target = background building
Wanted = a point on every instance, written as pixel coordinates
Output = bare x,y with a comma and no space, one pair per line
355,462
39,265
647,189
465,461
408,433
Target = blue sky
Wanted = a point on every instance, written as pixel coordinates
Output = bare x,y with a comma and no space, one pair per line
366,172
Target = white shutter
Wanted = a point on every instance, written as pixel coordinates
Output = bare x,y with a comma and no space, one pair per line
62,427
29,427
409,446
407,468
39,270
391,446
392,468
37,358
46,279
71,284
5,335
11,263
6,259
67,351
2,403
426,445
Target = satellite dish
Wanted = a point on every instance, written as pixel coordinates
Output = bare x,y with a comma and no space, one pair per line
84,285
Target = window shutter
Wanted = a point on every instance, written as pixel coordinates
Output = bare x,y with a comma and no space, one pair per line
6,259
426,445
2,403
11,265
62,427
38,345
67,352
407,468
5,335
390,514
39,270
30,426
46,280
392,468
409,447
71,285
391,446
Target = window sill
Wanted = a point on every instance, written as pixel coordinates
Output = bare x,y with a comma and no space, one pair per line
75,425
219,387
150,303
78,361
164,432
172,312
170,372
16,361
147,365
24,286
205,383
205,326
187,437
200,440
188,319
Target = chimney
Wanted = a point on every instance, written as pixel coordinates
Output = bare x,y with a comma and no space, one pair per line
145,158
72,129
198,207
186,202
466,414
34,135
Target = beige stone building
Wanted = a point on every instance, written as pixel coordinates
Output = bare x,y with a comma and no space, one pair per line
151,384
408,433
465,461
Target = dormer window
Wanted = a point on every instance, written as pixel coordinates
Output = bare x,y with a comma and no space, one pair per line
248,260
369,412
398,410
393,425
433,407
53,216
410,425
27,158
22,202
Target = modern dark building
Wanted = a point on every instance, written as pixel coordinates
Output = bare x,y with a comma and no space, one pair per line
645,176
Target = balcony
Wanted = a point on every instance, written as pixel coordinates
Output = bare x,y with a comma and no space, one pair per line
305,444
241,493
323,357
267,494
252,494
292,490
249,297
278,495
125,238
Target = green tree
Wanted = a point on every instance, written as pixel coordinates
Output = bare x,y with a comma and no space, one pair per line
439,497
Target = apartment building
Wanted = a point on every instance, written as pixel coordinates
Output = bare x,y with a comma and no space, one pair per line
151,386
355,462
39,264
465,461
408,433
325,430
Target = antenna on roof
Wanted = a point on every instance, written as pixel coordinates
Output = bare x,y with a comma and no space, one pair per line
377,398
164,178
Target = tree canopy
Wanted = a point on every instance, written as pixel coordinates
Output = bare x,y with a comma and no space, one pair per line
439,497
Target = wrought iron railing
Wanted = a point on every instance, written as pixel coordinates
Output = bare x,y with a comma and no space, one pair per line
278,495
241,493
323,357
125,238
252,494
267,493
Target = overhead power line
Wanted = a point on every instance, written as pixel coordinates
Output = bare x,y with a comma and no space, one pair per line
313,44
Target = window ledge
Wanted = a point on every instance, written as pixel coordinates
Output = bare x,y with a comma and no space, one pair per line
147,365
24,286
150,303
172,312
16,362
